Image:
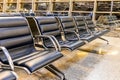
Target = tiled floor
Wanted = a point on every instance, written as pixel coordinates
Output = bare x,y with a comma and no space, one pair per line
85,63
109,67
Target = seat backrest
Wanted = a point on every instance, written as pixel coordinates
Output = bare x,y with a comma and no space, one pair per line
80,23
48,26
89,22
67,23
67,27
15,36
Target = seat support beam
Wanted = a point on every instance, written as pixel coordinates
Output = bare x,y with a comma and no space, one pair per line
104,39
55,71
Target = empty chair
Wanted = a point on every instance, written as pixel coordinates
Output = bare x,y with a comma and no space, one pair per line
68,28
93,28
15,36
82,30
50,26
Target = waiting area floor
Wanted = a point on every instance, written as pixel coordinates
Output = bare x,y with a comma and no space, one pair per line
85,63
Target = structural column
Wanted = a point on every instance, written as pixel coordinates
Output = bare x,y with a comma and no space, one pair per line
111,7
51,6
70,7
94,10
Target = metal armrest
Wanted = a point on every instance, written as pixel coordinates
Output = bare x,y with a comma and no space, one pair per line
8,57
77,35
52,39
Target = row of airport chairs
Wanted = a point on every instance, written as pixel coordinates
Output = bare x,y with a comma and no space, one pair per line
19,36
108,21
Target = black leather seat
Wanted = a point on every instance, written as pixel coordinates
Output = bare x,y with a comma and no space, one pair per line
94,29
7,75
15,36
69,28
82,30
50,26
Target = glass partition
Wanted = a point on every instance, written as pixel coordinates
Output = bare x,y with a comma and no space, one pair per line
26,7
11,7
83,6
61,6
42,6
104,6
116,6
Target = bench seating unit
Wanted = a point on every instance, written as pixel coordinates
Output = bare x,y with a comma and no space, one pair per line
50,26
16,38
79,28
93,28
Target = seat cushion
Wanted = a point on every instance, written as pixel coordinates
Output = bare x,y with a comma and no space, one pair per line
72,45
87,37
7,75
38,59
100,33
